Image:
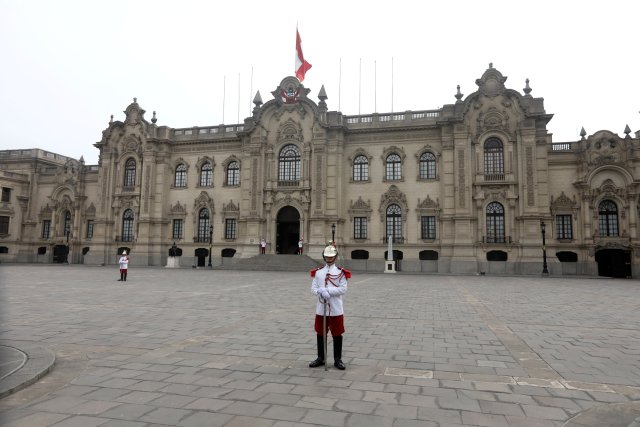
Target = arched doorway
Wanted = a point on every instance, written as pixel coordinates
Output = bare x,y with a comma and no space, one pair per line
287,230
60,254
614,262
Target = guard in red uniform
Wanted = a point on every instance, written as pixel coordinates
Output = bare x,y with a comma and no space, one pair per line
329,284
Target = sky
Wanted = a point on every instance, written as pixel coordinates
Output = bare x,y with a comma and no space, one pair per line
68,65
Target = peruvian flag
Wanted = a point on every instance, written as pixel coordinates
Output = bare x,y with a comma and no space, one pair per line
302,66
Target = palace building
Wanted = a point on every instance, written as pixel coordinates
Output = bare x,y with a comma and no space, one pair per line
477,186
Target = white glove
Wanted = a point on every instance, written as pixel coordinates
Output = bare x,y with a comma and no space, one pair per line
325,294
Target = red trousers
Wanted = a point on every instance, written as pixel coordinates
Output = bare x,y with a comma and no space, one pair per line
335,324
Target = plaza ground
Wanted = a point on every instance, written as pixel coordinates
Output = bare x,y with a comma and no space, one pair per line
199,347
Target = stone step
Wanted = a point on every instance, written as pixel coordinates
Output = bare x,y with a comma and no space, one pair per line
273,263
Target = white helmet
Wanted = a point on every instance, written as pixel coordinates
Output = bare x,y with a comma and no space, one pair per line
124,252
330,251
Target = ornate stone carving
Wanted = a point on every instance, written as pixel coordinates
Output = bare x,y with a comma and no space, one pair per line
391,196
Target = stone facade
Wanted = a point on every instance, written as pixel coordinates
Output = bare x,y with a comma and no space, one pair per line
461,189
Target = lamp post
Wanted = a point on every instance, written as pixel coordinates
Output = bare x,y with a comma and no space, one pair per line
210,244
333,234
67,257
545,270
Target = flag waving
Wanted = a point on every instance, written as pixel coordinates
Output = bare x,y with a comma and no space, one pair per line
302,66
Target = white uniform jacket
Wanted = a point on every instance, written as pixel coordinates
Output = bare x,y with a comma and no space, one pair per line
334,280
124,262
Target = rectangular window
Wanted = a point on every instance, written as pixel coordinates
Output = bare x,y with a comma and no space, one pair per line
564,228
4,225
428,227
178,228
360,227
89,229
6,194
230,229
46,228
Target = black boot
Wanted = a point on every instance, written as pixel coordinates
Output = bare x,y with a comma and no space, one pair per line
125,276
337,353
121,277
320,360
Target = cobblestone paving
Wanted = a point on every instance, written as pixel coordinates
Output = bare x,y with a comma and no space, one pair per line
185,347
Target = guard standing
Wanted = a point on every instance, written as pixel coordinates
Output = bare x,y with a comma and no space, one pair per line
329,284
124,266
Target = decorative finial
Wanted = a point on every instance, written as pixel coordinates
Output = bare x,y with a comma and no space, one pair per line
257,100
627,131
459,95
135,100
82,160
527,89
583,133
111,121
153,119
490,64
322,96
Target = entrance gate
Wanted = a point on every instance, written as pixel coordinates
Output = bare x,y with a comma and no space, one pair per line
287,230
614,262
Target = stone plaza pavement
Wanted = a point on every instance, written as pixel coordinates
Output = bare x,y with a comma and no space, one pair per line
199,347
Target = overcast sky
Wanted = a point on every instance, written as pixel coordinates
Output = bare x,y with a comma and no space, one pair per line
68,65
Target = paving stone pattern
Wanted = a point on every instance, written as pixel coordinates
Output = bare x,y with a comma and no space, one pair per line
198,347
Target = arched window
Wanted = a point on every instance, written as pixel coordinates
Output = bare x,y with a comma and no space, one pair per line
493,160
608,218
495,223
427,166
130,173
233,173
394,167
66,229
206,175
289,164
394,223
181,175
361,168
203,225
127,226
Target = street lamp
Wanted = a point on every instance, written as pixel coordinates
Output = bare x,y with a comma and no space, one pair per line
333,234
545,270
210,243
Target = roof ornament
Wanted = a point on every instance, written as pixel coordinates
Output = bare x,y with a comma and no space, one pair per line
627,131
111,121
527,89
583,133
459,95
154,119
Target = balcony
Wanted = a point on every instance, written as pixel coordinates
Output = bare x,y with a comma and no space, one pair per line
126,238
288,183
496,239
396,239
201,239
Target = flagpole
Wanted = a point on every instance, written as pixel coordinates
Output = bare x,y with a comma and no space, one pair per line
251,91
238,98
392,84
224,95
359,85
375,86
340,84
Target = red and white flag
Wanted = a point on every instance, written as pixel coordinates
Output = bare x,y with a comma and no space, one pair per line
302,66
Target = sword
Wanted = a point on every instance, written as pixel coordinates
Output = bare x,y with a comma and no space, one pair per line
324,332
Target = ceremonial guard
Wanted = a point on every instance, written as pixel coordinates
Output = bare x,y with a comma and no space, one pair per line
329,284
124,266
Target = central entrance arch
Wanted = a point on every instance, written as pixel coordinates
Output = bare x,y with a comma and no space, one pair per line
287,230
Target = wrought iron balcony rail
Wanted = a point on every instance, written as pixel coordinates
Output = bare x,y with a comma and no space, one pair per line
496,239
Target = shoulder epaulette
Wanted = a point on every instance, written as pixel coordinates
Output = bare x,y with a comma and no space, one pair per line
313,272
346,272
